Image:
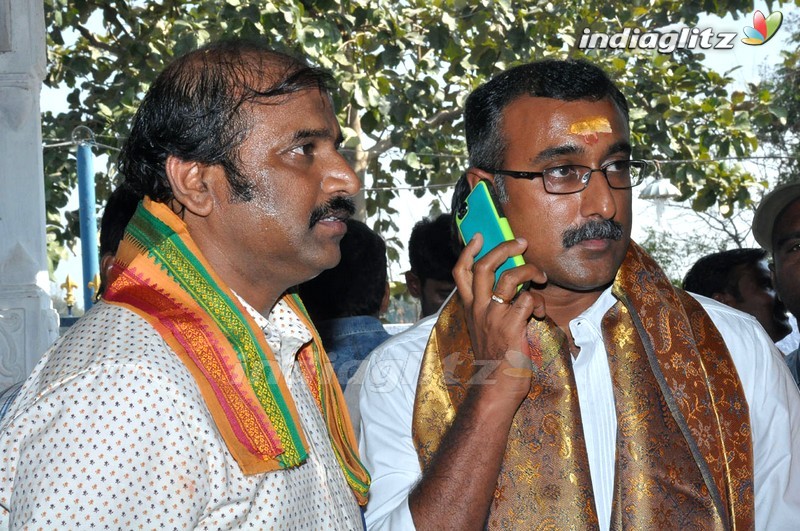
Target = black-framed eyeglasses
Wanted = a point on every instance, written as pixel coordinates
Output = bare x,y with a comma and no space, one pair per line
573,178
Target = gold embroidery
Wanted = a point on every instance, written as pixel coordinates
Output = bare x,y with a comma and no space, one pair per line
668,405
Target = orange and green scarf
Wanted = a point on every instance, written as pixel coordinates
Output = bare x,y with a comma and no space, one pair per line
161,275
684,456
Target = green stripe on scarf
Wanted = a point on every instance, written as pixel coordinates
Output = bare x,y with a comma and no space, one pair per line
169,251
352,479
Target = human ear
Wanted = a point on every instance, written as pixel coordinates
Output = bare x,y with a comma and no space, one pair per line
413,284
193,184
475,175
387,292
106,263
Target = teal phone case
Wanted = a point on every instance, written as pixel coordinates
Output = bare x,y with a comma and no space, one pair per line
480,213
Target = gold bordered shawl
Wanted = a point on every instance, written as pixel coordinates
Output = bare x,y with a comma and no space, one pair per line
697,388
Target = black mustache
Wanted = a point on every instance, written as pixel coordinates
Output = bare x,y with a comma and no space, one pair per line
592,230
340,207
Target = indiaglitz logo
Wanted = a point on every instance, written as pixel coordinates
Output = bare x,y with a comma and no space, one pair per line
664,42
763,28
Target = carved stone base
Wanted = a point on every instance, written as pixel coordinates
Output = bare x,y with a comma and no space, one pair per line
28,326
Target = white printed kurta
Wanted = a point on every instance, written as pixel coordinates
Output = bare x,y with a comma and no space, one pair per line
111,431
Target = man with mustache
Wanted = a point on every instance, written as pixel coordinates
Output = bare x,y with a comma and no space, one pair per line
596,397
196,393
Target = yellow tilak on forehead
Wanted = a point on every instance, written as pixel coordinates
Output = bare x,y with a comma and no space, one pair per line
590,128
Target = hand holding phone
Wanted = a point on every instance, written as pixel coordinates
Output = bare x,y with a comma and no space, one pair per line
480,212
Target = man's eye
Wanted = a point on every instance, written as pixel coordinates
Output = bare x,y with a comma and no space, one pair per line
304,149
560,172
618,166
789,247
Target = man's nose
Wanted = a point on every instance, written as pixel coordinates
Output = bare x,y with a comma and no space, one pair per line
340,178
597,198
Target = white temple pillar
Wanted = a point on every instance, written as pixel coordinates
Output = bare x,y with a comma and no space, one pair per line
28,324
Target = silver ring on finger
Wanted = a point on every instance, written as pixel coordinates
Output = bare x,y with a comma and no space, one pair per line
498,300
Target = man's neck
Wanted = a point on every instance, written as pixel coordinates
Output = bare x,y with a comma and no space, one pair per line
261,293
259,282
259,287
563,305
262,300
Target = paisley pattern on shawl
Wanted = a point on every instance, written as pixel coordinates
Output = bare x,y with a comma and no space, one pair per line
684,451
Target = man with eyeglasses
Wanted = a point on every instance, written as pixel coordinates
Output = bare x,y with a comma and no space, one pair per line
598,395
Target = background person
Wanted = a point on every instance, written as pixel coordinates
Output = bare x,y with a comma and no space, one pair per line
346,302
117,213
432,256
776,227
741,279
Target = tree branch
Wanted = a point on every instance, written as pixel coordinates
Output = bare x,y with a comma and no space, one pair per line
727,226
440,118
89,36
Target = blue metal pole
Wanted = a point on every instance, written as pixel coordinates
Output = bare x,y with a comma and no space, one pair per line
87,205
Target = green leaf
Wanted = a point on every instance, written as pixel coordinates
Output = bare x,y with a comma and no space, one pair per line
399,65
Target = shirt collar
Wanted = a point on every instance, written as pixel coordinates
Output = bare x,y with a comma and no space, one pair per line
586,328
594,313
284,331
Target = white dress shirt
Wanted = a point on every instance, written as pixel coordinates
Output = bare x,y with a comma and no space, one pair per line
390,381
111,431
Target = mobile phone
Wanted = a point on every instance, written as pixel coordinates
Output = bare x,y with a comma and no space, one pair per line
481,212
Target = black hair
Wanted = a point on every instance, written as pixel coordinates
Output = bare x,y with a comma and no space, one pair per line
117,213
720,272
431,250
193,111
119,210
354,287
460,193
566,80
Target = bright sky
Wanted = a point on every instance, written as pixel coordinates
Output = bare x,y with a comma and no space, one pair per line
751,60
411,209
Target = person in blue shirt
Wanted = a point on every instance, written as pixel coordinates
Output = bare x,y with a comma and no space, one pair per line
345,302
